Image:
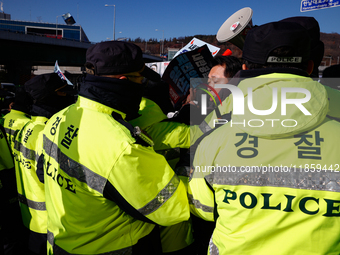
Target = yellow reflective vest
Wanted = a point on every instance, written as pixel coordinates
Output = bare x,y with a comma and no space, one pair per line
271,181
96,176
30,190
13,122
6,161
167,137
10,222
165,134
210,120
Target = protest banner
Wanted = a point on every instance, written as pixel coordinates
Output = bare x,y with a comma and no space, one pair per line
60,73
190,64
158,67
196,43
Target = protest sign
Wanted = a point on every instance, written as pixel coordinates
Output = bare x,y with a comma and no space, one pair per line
158,67
190,64
60,73
196,43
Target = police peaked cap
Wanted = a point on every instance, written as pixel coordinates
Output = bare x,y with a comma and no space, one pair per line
313,28
118,57
262,40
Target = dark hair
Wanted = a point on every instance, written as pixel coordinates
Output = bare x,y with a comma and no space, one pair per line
232,64
284,51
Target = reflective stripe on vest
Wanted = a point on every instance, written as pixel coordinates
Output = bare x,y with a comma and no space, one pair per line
213,250
73,168
297,178
32,204
161,197
97,182
204,127
27,153
10,131
199,205
59,251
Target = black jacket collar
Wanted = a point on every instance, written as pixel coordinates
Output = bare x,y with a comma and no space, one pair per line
122,95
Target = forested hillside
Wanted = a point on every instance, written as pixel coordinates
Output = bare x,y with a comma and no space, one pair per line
152,46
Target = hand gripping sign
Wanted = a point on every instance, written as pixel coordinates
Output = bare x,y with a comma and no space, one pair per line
190,64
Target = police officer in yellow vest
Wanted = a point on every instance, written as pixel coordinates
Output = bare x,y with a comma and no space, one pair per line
168,138
269,177
316,51
106,188
167,135
6,176
10,222
18,116
50,94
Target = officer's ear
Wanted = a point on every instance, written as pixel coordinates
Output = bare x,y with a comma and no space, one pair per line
310,66
244,67
89,68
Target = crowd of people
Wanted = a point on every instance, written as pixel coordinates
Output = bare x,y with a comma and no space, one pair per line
101,168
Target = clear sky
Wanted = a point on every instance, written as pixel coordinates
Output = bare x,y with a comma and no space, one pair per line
136,18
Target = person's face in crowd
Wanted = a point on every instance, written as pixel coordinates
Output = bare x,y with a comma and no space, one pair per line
154,67
216,76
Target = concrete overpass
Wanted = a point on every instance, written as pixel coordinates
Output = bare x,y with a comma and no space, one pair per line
20,52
